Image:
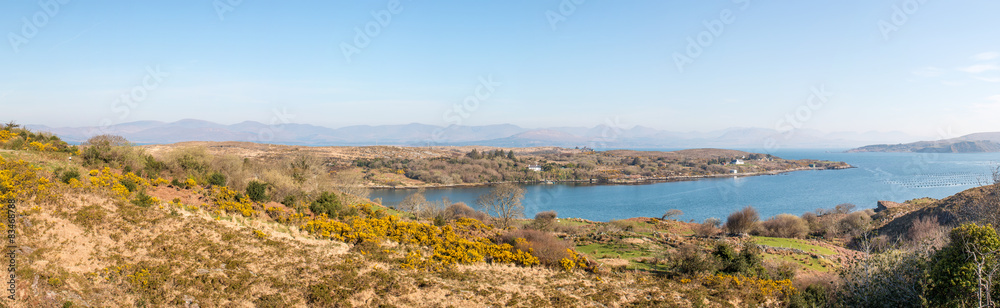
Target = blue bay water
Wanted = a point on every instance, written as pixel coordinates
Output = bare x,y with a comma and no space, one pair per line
877,176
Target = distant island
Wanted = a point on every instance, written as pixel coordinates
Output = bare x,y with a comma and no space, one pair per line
972,143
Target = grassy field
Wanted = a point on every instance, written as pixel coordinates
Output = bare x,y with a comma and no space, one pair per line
793,244
804,261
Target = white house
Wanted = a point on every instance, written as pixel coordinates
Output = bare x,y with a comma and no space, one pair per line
737,162
535,168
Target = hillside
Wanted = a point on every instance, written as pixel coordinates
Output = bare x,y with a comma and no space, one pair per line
978,204
972,143
108,229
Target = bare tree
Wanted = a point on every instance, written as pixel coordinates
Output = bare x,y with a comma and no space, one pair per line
11,125
742,221
504,203
671,214
984,265
414,203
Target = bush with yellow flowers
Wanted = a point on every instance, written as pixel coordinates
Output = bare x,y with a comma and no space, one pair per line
446,245
21,182
753,289
106,178
575,260
6,135
229,201
285,216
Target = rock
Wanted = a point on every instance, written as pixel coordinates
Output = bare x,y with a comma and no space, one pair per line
885,205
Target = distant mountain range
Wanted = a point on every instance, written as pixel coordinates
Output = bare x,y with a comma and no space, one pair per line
972,143
507,135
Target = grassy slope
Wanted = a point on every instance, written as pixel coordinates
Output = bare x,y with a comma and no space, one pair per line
93,251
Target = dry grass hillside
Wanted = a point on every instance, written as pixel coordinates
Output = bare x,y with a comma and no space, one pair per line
978,204
108,237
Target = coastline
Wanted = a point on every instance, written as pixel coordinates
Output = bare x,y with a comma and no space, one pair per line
641,181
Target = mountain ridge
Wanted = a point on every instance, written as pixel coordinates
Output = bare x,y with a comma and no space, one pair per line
986,142
416,134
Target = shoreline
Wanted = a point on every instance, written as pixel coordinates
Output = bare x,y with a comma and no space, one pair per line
644,181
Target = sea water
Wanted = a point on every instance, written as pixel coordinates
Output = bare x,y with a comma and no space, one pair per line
876,176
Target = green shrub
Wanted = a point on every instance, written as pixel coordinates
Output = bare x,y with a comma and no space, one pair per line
327,203
129,184
143,200
954,281
257,191
177,183
747,262
690,260
814,296
68,175
153,167
217,179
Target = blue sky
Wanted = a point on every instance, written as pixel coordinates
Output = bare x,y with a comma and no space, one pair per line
928,68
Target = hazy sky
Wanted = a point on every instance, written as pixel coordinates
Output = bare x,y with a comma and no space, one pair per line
929,68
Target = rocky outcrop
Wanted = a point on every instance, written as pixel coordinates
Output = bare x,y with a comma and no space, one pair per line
885,205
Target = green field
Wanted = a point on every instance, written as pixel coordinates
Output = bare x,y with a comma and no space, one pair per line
793,244
622,251
802,260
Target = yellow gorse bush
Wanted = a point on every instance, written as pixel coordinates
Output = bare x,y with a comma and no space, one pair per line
285,216
107,179
448,247
229,201
574,260
757,288
6,135
21,181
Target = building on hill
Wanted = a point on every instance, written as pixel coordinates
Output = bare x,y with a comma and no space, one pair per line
535,168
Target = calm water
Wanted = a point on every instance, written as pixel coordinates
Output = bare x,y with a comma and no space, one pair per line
878,176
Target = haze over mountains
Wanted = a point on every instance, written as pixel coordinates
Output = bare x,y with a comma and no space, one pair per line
601,136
